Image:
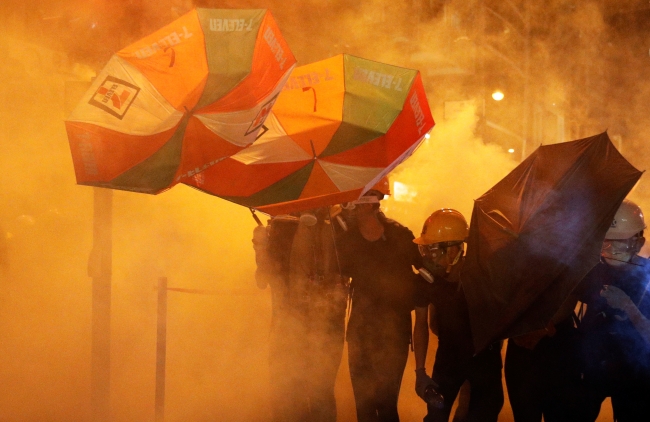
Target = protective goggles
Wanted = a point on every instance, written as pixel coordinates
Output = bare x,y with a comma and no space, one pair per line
436,250
613,247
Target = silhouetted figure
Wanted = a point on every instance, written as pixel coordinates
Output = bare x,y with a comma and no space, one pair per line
377,253
615,327
441,247
297,258
542,371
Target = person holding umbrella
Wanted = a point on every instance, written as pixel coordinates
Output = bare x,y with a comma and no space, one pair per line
615,327
295,255
378,254
441,246
542,370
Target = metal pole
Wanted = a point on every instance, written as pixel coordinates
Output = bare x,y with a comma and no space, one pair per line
526,102
161,349
100,265
100,269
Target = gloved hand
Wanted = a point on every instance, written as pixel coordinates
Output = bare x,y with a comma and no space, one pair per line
617,299
427,389
422,381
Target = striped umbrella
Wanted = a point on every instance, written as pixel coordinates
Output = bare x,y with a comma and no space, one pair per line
337,128
178,101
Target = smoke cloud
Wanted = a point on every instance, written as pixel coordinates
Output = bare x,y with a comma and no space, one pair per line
451,169
217,337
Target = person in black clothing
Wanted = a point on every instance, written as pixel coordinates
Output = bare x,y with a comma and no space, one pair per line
441,246
615,327
296,257
378,254
542,371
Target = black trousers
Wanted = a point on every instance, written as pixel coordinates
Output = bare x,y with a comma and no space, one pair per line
377,362
483,371
546,381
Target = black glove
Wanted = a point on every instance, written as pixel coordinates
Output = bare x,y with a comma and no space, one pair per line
422,381
427,389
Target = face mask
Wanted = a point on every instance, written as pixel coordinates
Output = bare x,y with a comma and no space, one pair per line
435,253
349,216
619,252
435,269
618,262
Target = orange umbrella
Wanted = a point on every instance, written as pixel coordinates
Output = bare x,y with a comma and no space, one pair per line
178,101
337,128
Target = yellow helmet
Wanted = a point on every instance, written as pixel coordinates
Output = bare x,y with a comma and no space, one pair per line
444,225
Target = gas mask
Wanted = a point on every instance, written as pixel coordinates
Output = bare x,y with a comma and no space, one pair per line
619,252
433,256
308,218
432,270
312,217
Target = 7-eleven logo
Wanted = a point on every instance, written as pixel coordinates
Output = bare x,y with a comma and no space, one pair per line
258,121
114,96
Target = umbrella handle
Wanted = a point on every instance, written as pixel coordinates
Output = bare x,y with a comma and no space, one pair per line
257,219
262,132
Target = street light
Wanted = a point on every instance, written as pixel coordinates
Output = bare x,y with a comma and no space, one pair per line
497,95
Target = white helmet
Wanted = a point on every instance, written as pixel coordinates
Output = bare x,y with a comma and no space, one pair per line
627,222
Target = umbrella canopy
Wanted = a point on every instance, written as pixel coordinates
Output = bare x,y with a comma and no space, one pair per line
537,232
179,100
337,128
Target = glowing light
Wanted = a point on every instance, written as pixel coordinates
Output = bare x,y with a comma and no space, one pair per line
403,193
511,150
497,95
427,136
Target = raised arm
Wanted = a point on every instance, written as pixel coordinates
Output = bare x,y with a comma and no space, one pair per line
618,299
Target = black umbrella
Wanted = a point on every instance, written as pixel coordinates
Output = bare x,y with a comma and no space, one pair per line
537,232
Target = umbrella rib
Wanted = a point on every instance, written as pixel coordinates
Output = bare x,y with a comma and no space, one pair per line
489,214
336,252
313,150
